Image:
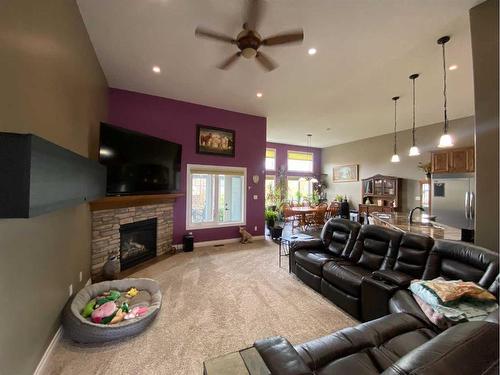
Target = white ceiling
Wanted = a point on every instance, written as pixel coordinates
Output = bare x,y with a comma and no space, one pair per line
366,51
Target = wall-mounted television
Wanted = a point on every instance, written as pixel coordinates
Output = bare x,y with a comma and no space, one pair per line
138,163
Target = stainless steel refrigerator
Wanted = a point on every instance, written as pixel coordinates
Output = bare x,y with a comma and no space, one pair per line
453,200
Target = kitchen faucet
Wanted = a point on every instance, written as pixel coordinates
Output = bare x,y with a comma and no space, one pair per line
410,215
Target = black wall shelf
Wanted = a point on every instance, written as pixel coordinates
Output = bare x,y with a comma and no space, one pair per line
37,177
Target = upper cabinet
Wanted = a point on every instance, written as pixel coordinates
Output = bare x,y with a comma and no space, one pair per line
457,160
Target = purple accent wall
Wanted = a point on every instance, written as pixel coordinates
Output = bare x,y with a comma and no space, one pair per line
176,121
281,158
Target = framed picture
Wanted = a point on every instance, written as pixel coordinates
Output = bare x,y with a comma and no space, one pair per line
345,173
214,141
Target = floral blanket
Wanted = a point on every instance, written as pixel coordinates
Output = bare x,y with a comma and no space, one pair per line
448,302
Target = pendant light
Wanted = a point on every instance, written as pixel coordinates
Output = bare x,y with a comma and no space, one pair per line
395,156
414,151
445,140
309,136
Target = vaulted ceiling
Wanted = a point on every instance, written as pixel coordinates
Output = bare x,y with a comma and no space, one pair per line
366,50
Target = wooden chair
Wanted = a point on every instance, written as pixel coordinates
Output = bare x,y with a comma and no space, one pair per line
290,217
317,219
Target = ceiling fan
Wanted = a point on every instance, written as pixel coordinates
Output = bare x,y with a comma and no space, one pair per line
249,40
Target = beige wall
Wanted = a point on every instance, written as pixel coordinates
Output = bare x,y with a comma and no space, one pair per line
484,31
373,156
51,85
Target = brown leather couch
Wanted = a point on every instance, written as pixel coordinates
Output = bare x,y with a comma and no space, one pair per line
452,260
392,345
367,276
336,241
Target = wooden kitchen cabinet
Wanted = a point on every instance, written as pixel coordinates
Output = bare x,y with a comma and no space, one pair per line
458,160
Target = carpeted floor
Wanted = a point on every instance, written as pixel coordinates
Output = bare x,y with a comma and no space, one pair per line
216,300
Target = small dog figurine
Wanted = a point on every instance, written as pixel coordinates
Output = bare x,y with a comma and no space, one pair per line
245,236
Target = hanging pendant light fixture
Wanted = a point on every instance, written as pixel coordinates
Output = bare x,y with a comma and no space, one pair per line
309,136
414,151
445,140
395,156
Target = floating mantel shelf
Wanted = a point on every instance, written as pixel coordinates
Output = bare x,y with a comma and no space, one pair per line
123,201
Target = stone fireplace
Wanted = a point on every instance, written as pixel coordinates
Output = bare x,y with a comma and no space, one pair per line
137,242
136,233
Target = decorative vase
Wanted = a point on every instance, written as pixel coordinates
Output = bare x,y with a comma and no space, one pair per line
111,268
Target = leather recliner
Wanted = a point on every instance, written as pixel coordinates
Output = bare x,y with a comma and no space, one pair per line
336,241
452,260
392,345
410,264
375,249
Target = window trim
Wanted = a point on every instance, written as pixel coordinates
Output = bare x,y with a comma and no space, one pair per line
212,169
299,152
275,158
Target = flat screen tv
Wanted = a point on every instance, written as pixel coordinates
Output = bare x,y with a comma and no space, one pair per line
137,163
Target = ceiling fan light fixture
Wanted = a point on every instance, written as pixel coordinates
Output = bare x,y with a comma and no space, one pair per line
249,53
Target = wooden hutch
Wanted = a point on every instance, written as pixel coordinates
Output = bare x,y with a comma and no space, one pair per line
380,194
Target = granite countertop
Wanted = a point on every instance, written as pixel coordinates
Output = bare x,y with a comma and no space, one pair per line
399,221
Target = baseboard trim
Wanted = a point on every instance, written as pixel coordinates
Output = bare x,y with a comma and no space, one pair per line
217,242
41,365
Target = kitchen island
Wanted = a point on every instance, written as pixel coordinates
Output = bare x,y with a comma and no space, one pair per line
421,225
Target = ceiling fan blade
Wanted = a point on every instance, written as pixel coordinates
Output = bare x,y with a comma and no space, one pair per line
205,33
253,14
229,61
266,61
284,38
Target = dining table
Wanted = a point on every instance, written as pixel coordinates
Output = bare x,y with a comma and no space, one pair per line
302,212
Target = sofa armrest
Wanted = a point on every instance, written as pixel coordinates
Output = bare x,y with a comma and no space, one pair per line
315,243
280,357
394,277
295,245
375,296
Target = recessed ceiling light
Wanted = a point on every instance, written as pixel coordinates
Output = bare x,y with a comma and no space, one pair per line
259,95
156,69
453,67
312,51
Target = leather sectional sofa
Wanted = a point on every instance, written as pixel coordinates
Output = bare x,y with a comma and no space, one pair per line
365,270
392,345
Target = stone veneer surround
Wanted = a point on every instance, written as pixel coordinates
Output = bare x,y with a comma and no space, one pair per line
106,230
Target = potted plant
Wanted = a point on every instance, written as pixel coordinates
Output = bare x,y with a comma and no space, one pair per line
274,230
271,217
339,198
426,167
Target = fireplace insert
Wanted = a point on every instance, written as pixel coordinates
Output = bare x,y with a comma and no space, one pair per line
137,242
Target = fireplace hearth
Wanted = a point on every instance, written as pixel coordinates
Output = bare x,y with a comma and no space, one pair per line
137,242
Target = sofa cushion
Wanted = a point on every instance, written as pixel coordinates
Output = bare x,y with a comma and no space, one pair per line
376,247
345,276
454,260
373,344
313,260
412,255
358,363
339,236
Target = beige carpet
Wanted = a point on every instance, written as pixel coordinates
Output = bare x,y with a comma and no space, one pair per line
215,300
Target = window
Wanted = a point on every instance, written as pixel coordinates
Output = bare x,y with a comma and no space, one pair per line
270,185
270,159
299,188
300,161
216,196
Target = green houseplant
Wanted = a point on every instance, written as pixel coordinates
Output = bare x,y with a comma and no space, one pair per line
271,217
